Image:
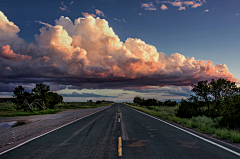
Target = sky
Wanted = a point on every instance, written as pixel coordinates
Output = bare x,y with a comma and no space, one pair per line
117,49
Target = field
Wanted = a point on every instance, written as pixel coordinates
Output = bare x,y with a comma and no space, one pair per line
9,109
201,123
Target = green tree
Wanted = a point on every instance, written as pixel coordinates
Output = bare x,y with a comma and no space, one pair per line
202,91
52,99
138,100
219,90
40,92
20,96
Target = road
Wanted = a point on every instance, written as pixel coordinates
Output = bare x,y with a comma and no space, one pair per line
119,132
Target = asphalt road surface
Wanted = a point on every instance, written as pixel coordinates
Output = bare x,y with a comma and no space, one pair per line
120,132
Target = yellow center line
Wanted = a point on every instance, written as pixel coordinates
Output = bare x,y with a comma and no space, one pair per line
119,146
118,119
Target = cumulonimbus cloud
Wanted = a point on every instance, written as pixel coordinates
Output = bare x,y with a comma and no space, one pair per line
87,53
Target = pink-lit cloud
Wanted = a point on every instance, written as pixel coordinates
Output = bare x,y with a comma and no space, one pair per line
182,5
7,53
100,13
87,14
63,7
86,53
149,6
177,3
188,3
164,7
196,5
181,8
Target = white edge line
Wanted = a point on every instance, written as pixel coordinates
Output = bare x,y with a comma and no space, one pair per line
225,148
48,132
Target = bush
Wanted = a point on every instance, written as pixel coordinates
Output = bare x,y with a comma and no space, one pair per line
188,109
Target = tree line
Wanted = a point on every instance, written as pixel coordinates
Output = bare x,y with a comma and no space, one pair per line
40,98
140,101
216,99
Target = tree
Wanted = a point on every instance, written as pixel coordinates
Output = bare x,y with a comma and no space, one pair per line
40,92
20,96
150,102
219,90
52,99
202,90
138,100
40,98
170,103
90,101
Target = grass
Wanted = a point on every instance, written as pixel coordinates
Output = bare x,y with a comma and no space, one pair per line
201,124
27,113
9,109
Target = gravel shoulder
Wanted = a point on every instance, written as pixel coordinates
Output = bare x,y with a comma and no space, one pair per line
38,124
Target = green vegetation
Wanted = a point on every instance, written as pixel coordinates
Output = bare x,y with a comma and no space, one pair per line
201,123
216,114
216,99
27,113
10,109
41,101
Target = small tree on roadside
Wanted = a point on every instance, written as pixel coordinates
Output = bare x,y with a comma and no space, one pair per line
138,100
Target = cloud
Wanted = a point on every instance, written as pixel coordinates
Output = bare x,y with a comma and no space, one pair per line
177,3
75,94
86,53
205,11
188,3
183,4
164,7
196,5
120,20
63,7
71,2
237,14
100,13
181,8
8,54
87,14
148,6
40,22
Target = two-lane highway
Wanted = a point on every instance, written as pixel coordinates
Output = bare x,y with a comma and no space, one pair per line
119,132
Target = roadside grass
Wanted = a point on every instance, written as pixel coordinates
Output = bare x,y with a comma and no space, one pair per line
201,124
27,113
9,109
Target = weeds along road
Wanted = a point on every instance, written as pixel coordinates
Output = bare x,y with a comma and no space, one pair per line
120,132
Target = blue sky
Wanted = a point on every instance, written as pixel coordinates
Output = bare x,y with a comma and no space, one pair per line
205,30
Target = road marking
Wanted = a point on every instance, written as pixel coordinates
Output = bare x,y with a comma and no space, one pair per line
48,132
119,146
118,119
211,142
123,128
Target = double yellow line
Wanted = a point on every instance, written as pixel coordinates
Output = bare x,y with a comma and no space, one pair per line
119,146
119,138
